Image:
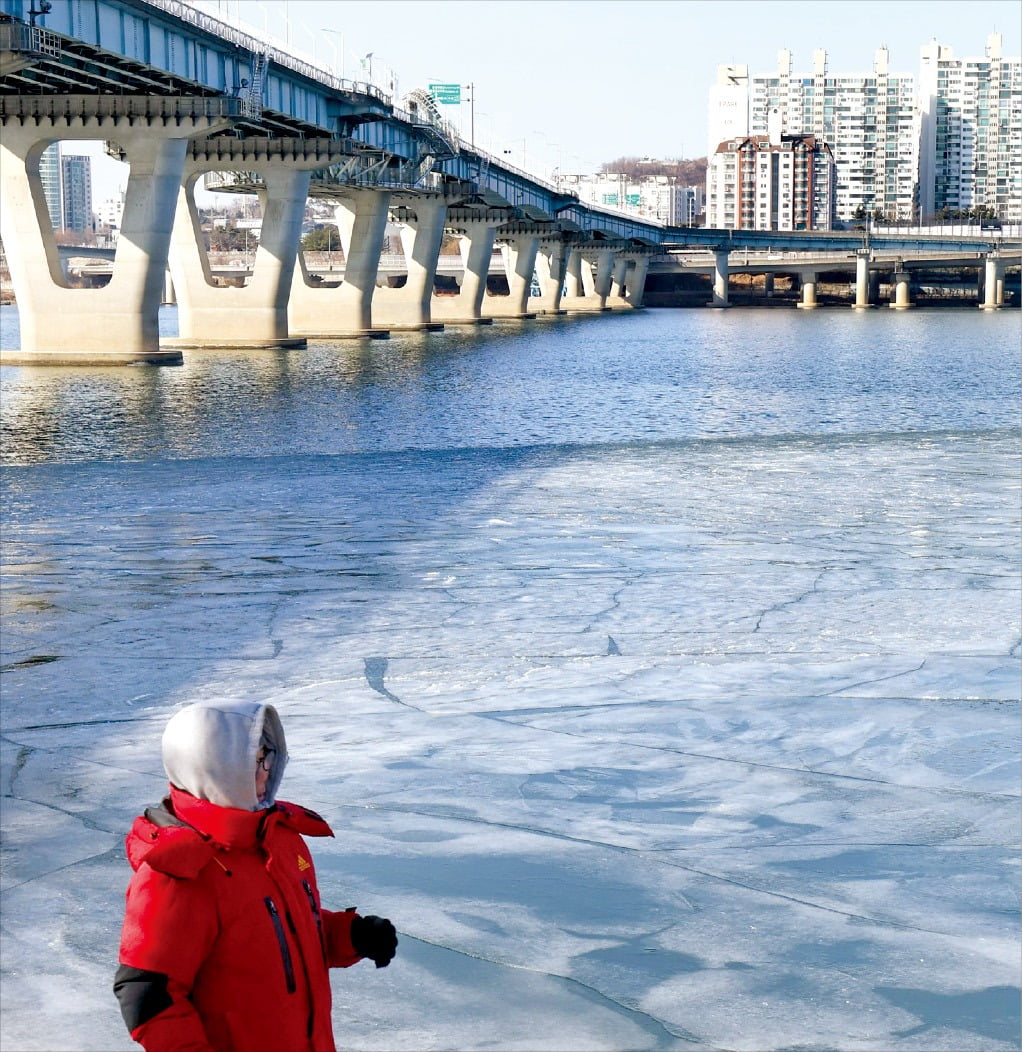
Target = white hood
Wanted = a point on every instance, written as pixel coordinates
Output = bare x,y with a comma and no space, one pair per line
209,750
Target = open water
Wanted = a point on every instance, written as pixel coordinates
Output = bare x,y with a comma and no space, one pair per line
654,376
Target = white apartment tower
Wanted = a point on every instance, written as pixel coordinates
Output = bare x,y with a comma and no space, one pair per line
867,119
728,116
970,132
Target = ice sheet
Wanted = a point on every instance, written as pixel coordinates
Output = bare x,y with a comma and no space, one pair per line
663,746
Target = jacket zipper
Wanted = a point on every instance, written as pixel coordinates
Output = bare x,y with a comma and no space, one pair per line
285,953
314,908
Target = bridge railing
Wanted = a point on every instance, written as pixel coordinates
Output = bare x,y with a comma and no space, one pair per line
16,36
251,42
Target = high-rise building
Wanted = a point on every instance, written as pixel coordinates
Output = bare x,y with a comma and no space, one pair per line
970,132
867,119
728,115
76,178
67,187
50,176
954,144
756,183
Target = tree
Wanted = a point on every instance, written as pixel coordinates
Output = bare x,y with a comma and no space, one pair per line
322,239
228,238
686,172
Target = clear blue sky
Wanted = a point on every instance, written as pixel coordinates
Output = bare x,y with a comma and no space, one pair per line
603,79
578,82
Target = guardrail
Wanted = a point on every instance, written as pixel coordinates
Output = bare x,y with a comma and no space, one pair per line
256,44
17,36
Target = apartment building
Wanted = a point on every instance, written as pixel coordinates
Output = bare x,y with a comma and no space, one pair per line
76,179
656,197
67,187
771,182
905,149
970,132
867,119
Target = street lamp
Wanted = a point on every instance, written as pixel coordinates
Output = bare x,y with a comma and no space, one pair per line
33,12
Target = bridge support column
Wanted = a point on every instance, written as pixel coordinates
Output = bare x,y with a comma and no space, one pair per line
993,283
720,274
119,323
422,234
596,268
862,282
618,274
635,284
573,275
476,244
628,281
902,289
768,285
520,252
255,315
551,271
345,310
808,301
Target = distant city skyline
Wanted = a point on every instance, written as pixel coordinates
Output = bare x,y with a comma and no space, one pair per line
544,103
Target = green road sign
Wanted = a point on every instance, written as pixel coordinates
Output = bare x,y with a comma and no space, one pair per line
446,94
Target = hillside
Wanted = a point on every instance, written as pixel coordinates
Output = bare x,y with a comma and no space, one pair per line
690,172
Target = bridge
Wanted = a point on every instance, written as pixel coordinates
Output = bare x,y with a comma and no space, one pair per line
187,98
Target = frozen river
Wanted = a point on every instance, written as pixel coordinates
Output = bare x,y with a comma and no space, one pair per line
658,673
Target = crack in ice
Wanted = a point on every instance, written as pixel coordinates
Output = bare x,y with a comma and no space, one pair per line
631,1010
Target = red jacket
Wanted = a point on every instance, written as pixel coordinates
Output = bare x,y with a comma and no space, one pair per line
225,947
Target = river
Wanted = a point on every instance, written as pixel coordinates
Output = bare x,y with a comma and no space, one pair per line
659,672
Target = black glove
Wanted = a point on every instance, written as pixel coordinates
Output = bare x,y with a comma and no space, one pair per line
375,938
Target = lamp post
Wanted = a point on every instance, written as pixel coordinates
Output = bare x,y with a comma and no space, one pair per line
33,12
472,113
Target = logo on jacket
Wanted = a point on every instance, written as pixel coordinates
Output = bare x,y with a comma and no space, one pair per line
303,864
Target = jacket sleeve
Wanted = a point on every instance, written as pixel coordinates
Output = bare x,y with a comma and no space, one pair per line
169,929
337,928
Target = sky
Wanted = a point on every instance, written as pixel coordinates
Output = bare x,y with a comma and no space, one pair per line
569,84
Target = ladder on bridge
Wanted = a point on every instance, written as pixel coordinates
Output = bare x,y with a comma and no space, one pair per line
253,100
482,171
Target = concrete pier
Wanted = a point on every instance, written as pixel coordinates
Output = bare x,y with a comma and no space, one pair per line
345,310
255,315
592,267
720,276
993,283
519,251
808,301
119,323
421,220
551,271
902,288
476,232
862,281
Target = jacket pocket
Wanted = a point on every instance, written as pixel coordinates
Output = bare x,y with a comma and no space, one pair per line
285,952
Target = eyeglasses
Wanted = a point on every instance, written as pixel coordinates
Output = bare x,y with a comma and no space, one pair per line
266,760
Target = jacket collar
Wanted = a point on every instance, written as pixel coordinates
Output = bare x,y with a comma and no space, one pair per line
228,826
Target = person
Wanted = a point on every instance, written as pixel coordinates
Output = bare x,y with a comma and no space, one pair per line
225,946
